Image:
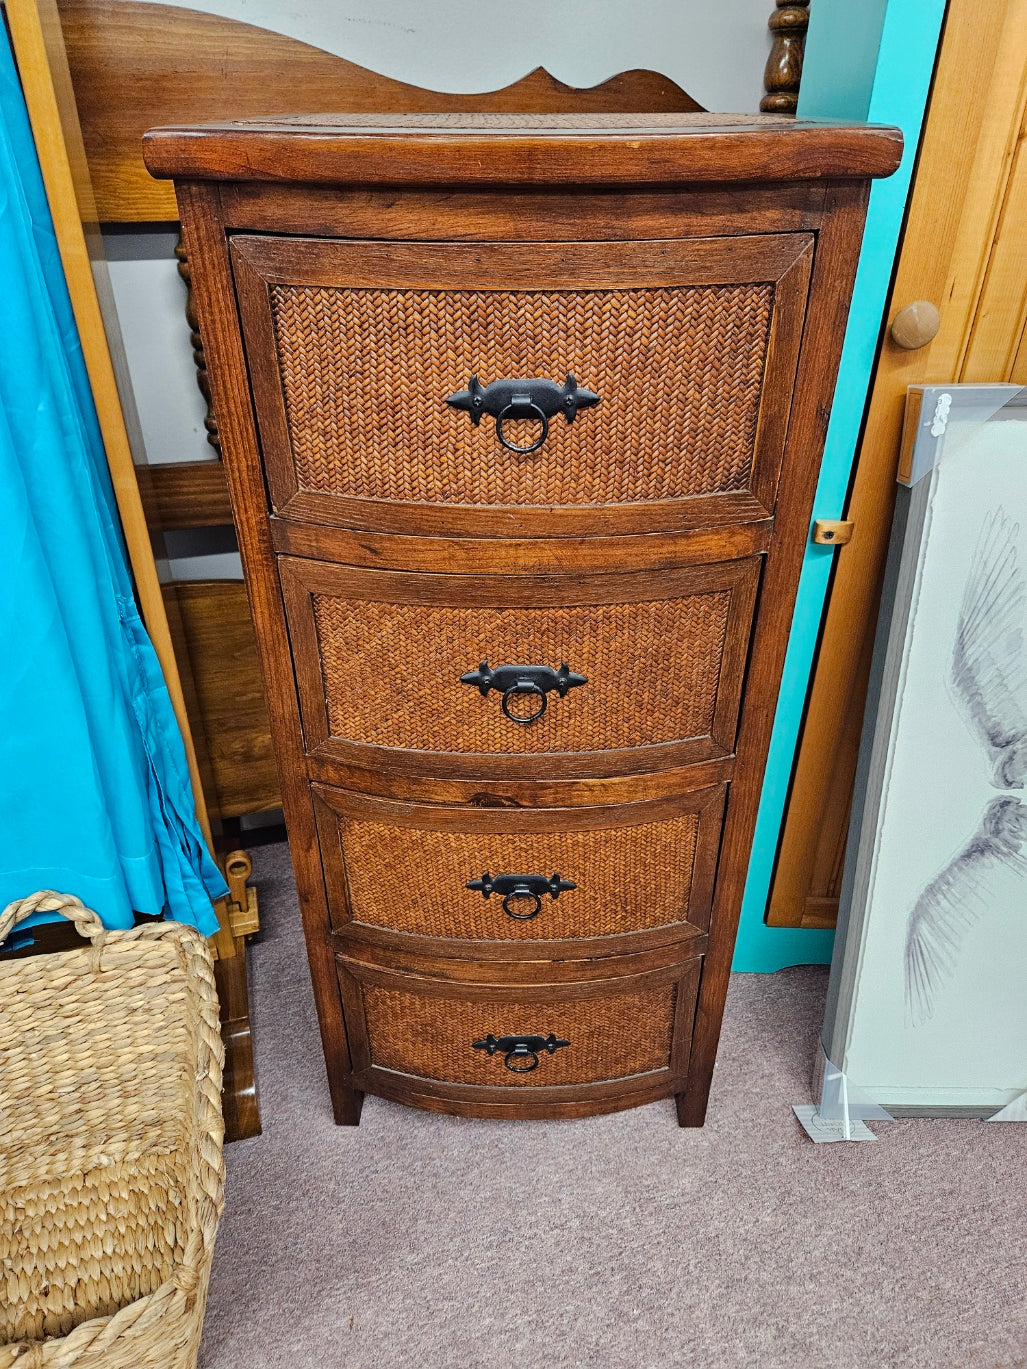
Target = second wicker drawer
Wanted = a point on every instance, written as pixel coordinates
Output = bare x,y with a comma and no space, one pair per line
506,882
510,677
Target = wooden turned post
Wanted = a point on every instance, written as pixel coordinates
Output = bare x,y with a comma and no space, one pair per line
196,342
783,71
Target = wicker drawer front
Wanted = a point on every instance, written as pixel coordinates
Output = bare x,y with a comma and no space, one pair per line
642,872
360,347
613,1038
380,657
620,1034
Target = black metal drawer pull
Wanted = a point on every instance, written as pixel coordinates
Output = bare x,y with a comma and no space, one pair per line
520,1053
537,399
521,886
513,680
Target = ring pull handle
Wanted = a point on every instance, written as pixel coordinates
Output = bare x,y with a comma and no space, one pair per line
521,1060
514,681
513,887
519,690
514,894
521,407
537,399
520,1054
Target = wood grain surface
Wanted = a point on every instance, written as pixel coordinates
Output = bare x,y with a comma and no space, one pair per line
137,65
298,567
560,150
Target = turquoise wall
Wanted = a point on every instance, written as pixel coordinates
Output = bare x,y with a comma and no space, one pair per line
869,60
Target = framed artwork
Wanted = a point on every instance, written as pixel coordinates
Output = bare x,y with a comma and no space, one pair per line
927,1009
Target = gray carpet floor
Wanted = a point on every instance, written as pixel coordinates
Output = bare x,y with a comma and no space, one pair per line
422,1240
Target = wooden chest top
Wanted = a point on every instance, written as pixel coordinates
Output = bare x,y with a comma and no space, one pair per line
524,149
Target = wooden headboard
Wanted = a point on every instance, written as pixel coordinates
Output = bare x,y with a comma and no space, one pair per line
134,66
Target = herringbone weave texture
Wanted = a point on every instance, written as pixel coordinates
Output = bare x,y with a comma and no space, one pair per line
111,1169
628,878
365,374
392,672
610,1038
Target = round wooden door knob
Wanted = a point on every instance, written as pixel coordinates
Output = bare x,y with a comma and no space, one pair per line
916,325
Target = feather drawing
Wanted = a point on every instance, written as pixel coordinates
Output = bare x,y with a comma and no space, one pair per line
955,899
987,682
988,665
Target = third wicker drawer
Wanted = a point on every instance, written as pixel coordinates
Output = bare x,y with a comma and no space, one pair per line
502,882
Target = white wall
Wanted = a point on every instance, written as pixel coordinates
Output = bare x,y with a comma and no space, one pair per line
715,51
150,298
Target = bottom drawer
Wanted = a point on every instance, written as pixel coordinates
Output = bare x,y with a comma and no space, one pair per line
515,1048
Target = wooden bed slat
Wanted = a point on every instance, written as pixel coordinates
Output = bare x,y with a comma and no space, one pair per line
185,494
214,632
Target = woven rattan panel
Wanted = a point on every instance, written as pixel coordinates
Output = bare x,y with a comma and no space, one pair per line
628,878
58,1241
610,1038
392,672
93,1238
679,372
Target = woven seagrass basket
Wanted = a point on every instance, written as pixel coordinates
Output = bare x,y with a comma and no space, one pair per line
111,1165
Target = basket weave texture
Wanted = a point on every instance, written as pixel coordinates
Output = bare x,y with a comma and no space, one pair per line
612,1037
392,672
628,878
111,1164
679,372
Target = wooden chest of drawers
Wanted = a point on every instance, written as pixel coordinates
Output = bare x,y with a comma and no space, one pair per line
522,422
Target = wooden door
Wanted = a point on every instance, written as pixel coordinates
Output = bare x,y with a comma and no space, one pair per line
964,251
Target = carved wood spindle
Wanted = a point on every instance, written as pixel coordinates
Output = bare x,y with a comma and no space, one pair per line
783,71
199,360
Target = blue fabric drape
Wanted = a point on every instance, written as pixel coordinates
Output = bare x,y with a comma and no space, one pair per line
95,797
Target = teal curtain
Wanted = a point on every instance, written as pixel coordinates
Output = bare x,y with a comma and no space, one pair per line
95,797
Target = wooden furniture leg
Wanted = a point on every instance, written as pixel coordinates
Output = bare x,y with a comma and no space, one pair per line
239,1093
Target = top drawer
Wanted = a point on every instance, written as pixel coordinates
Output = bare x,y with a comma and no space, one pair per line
691,346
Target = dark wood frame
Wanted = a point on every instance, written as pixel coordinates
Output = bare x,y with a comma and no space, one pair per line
833,209
302,579
697,884
519,555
